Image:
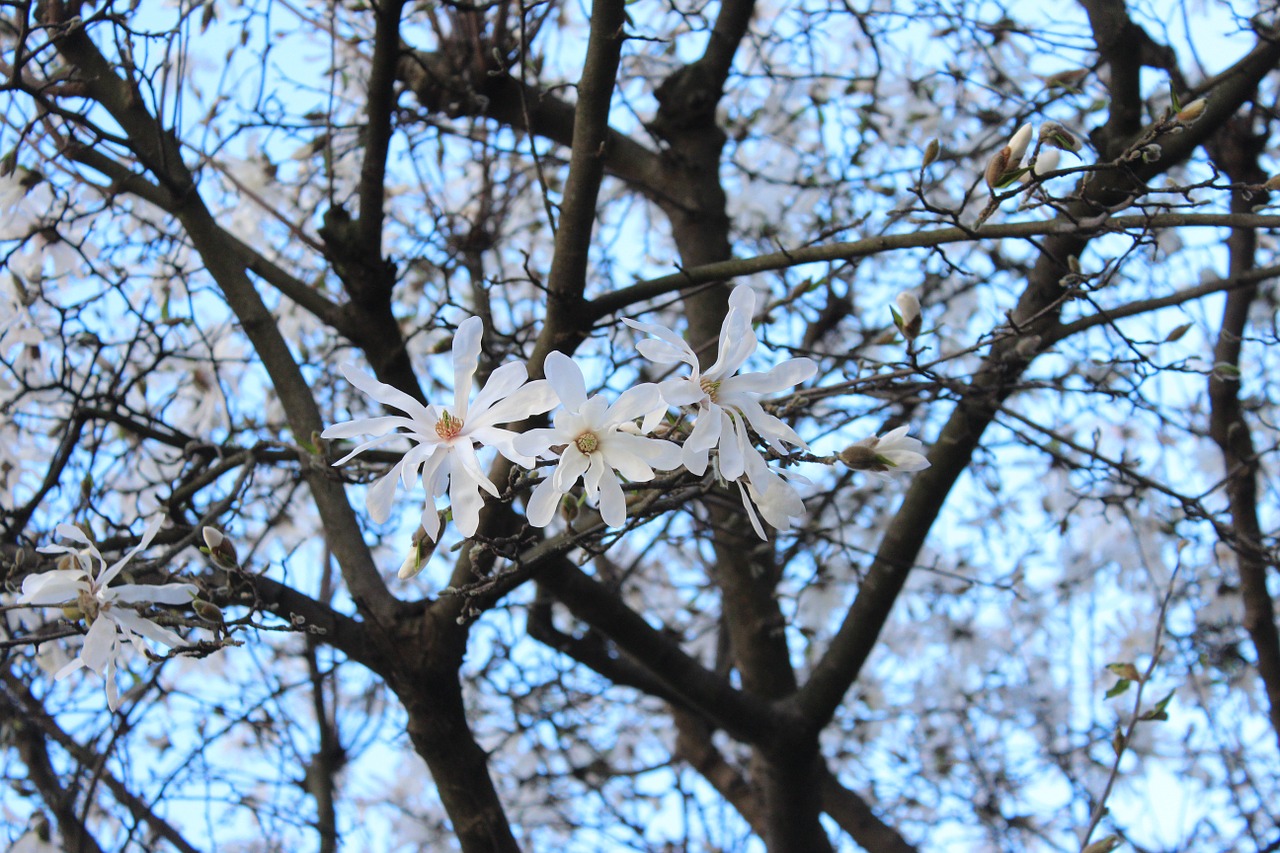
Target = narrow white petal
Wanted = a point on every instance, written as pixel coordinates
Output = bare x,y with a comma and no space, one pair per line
682,392
734,445
466,359
502,383
786,375
466,500
383,393
99,644
169,593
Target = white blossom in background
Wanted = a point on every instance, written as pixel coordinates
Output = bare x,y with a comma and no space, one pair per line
728,403
600,443
445,438
894,451
111,611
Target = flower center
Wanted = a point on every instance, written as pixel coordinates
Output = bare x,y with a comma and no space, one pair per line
587,443
709,387
448,427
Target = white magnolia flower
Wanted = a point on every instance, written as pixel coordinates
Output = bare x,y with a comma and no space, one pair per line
894,451
445,437
599,444
729,402
85,586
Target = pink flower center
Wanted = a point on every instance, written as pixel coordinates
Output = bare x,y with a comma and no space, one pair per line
587,443
448,427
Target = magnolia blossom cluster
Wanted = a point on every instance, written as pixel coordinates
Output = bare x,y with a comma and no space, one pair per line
81,586
595,441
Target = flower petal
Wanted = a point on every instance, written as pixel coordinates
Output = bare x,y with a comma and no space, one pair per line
566,378
466,359
502,383
383,393
786,375
541,506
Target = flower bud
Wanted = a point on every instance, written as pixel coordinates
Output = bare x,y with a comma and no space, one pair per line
907,317
1191,112
1046,161
208,611
860,457
996,167
1054,135
931,152
1018,144
420,550
220,549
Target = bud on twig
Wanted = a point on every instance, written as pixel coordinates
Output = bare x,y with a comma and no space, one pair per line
1191,112
931,152
220,549
907,316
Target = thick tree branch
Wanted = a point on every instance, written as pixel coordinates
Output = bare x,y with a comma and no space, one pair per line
1036,313
1236,151
158,150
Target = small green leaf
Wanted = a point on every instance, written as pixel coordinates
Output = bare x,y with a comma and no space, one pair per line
1120,687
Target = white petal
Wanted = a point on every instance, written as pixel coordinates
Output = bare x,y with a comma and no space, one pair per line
566,378
466,359
150,533
383,393
136,623
502,383
737,341
786,375
573,464
770,427
682,392
53,587
533,398
734,445
372,426
466,501
169,593
541,507
382,493
466,463
536,442
613,503
99,644
632,403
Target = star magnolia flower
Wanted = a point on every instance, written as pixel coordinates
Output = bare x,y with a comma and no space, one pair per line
445,438
598,445
729,402
880,454
106,608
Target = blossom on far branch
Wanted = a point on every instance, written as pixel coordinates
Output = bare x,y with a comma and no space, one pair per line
728,408
893,452
81,586
599,442
445,438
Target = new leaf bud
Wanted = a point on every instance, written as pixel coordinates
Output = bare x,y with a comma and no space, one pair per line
220,549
